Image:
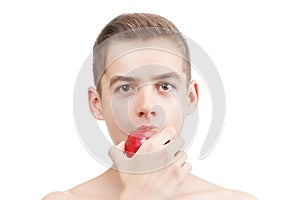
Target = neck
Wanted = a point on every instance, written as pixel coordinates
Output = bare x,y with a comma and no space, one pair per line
111,176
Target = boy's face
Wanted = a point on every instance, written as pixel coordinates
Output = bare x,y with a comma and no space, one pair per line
144,87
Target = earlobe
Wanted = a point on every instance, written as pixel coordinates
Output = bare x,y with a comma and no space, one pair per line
193,97
95,103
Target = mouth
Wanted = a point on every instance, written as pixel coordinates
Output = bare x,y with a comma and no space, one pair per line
147,128
145,131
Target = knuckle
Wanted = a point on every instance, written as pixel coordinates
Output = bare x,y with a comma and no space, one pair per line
178,164
180,141
172,131
165,156
184,156
176,172
181,156
187,167
112,153
148,147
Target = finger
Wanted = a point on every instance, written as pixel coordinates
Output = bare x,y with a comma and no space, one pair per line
180,157
184,170
158,141
166,155
181,167
164,136
116,155
175,145
186,167
121,146
163,155
169,151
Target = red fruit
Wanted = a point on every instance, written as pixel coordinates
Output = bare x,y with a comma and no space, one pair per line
136,139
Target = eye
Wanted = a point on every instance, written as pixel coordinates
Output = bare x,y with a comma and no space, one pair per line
165,87
124,88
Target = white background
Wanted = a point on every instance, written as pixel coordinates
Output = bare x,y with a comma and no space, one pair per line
255,46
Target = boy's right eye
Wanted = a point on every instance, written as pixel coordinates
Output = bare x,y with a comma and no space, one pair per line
125,89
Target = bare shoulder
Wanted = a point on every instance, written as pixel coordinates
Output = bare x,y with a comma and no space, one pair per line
93,189
238,195
58,196
198,188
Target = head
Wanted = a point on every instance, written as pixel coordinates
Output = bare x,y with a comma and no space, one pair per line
142,75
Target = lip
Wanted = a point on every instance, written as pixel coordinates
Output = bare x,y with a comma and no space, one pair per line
145,131
145,127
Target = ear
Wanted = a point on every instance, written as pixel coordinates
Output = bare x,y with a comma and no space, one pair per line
193,97
95,103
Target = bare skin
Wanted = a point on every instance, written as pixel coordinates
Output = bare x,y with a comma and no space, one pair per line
107,186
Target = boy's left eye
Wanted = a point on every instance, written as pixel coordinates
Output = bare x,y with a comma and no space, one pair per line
165,87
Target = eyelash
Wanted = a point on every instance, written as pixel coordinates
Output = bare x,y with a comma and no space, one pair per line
166,83
157,86
118,89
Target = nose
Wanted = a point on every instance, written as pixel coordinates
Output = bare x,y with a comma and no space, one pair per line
145,101
146,112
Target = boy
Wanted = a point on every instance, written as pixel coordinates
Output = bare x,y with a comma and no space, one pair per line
143,84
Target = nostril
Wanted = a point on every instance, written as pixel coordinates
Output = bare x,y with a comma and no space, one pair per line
140,114
153,113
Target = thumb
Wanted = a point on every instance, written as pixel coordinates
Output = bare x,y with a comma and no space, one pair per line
116,153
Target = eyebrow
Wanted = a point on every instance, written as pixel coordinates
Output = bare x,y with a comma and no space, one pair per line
167,75
117,78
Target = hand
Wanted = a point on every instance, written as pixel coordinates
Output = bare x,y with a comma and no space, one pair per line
156,171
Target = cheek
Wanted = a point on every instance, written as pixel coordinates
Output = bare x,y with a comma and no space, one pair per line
174,114
116,134
112,111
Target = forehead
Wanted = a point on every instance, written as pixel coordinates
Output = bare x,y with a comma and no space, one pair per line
126,56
